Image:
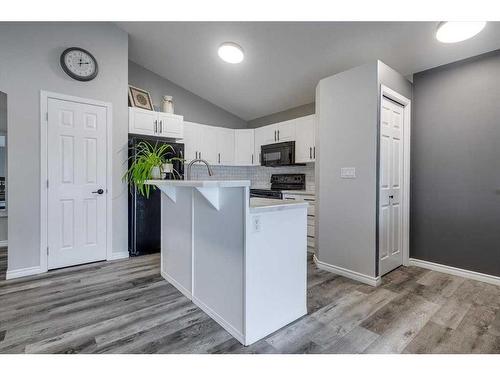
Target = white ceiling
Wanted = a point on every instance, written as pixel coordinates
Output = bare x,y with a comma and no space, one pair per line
284,61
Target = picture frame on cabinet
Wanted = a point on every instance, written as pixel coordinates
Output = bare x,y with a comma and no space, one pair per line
140,98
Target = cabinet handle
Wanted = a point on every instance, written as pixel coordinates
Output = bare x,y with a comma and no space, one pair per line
310,152
252,158
314,152
275,136
161,126
200,154
219,157
196,154
156,126
278,135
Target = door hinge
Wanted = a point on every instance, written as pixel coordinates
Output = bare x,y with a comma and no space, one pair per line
47,250
47,116
47,184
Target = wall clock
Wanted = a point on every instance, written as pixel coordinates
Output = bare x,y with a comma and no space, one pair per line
79,64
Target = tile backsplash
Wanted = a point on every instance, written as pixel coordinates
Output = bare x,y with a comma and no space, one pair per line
259,176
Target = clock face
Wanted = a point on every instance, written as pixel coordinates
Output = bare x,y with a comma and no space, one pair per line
79,64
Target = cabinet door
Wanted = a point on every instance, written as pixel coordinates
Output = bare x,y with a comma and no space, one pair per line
264,136
244,147
191,136
225,146
304,142
170,125
286,131
142,121
207,143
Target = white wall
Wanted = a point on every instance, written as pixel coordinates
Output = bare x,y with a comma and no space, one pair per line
29,60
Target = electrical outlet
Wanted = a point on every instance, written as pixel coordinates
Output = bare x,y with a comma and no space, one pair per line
348,172
256,224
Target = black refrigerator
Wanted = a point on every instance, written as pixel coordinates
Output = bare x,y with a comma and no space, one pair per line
144,214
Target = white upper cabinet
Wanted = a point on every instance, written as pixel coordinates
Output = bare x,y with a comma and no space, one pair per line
207,143
225,146
305,145
244,147
191,140
286,131
170,125
142,121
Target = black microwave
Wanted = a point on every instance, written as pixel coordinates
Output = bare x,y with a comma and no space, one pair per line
277,154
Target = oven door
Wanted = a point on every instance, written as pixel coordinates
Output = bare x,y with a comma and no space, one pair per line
278,154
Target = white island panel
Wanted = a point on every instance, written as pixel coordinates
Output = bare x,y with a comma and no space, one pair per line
219,237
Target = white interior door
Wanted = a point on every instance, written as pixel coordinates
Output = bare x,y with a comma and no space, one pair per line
76,164
391,177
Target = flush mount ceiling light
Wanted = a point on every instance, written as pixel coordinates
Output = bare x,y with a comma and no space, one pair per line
452,32
231,53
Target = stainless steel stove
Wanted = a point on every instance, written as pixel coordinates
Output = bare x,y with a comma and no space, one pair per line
280,182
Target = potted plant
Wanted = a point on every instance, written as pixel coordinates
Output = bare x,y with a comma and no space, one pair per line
149,163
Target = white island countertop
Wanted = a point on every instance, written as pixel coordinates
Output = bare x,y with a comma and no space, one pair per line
264,204
199,183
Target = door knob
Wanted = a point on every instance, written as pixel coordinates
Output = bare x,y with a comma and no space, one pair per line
391,196
98,191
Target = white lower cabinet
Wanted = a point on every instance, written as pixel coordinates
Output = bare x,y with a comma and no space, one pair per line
159,124
311,216
244,147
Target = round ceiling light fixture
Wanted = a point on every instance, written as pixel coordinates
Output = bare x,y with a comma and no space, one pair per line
231,52
453,31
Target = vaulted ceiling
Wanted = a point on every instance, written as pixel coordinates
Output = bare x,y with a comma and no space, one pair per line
285,60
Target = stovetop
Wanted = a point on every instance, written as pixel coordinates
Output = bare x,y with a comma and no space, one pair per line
280,182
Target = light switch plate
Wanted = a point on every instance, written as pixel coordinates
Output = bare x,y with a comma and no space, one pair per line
348,172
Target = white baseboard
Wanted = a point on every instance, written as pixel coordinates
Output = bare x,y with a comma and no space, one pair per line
219,319
4,243
370,280
119,255
21,272
176,284
456,271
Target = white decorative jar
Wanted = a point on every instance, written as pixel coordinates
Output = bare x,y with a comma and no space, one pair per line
167,104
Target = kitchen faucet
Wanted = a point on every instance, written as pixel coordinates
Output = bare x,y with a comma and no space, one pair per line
210,172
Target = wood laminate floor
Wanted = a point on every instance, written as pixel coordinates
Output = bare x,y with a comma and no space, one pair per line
126,307
3,262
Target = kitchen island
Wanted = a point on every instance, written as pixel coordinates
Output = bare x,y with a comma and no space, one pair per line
242,261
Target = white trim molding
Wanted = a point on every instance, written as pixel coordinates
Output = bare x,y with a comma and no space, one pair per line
366,279
21,272
118,255
406,103
473,275
44,99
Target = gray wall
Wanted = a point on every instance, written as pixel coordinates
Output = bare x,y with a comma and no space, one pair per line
29,57
191,106
455,191
347,109
289,114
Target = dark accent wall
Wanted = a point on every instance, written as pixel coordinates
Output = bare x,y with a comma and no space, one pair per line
455,173
186,103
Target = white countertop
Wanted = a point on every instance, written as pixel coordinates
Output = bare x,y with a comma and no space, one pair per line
199,183
264,204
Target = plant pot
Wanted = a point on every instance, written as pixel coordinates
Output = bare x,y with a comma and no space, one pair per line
156,173
167,168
